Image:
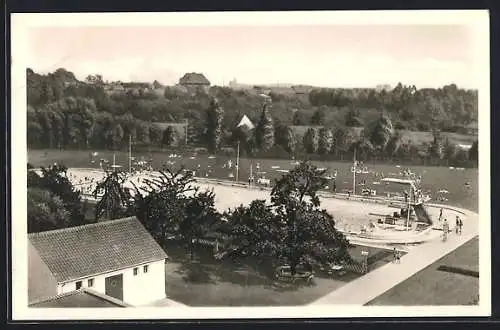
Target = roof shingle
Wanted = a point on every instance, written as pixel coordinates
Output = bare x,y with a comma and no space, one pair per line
82,251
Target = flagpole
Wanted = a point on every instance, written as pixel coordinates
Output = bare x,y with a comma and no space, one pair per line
114,161
237,161
251,173
354,168
130,153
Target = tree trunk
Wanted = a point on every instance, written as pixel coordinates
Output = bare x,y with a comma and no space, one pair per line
293,267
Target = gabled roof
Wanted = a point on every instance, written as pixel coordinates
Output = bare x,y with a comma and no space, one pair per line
83,297
246,122
194,78
89,250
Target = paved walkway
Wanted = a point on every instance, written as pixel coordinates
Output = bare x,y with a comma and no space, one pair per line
368,287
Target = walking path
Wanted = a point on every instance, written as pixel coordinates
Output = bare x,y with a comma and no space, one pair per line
369,286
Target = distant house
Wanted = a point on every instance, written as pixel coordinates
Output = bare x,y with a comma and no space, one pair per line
195,82
83,297
137,87
301,89
117,258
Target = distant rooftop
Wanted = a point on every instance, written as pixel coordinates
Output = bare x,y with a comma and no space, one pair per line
194,78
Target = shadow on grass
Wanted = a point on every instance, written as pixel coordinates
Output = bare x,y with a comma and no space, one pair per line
204,269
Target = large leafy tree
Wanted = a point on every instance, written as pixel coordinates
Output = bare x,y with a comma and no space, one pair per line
54,179
45,211
293,229
170,204
200,217
255,231
264,131
214,128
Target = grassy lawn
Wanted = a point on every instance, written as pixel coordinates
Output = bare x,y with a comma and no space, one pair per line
431,286
434,178
207,282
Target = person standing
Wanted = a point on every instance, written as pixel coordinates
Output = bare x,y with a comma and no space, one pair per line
440,214
457,225
446,228
461,224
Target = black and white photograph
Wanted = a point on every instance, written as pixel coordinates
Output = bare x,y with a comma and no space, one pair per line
301,164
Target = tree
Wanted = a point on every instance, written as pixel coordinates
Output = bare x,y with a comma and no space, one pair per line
436,148
285,138
143,133
264,131
113,200
299,118
364,148
293,229
255,231
155,134
215,115
381,132
352,118
117,136
310,140
393,144
171,205
343,139
449,149
45,211
170,137
289,140
318,118
200,217
54,180
325,141
473,151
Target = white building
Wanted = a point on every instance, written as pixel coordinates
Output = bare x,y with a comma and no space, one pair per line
117,258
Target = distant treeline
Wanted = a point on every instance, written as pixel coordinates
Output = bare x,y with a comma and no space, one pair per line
66,113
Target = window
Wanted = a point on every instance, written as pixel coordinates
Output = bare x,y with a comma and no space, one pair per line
145,269
135,271
90,282
78,285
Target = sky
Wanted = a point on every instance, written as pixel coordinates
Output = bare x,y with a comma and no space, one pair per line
322,55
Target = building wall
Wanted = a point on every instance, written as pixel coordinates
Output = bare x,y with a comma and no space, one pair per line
41,283
140,289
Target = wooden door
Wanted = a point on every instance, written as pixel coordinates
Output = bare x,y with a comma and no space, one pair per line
114,286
